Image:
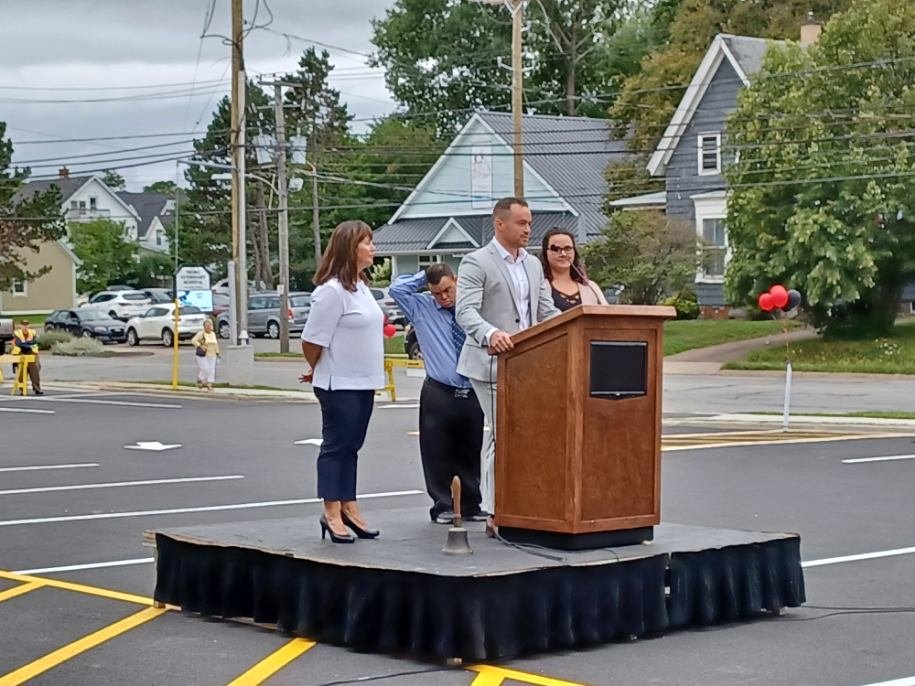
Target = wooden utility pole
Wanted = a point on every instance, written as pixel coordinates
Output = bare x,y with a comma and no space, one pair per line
237,137
517,10
282,191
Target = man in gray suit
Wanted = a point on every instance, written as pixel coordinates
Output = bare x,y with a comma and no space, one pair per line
501,291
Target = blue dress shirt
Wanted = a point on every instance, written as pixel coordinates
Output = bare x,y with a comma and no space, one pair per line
433,328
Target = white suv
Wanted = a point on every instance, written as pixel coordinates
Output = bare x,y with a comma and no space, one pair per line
119,304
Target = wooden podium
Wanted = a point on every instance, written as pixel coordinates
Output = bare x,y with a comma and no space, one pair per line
578,435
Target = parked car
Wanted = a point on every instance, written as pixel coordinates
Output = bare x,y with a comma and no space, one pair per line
119,304
411,344
6,333
159,295
158,322
79,322
264,314
389,306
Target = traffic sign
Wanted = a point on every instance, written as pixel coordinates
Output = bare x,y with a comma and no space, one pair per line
190,278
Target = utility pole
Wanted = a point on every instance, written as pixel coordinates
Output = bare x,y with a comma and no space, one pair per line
237,137
517,10
315,215
282,191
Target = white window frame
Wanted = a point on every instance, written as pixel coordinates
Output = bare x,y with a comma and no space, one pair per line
699,154
424,261
18,284
710,208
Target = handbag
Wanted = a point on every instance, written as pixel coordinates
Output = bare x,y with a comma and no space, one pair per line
200,352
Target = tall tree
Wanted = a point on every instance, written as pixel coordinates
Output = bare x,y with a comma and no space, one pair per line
27,220
113,180
822,194
169,188
107,254
444,58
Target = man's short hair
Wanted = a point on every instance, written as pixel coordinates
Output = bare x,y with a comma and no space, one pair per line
505,205
438,271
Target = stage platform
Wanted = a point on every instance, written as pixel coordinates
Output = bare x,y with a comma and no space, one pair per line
400,594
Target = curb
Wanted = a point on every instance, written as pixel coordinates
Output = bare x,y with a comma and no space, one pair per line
838,420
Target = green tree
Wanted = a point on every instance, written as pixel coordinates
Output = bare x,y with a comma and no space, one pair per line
649,253
824,202
107,254
26,219
169,188
150,270
443,58
113,180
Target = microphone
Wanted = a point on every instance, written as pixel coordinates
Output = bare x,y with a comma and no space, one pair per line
587,281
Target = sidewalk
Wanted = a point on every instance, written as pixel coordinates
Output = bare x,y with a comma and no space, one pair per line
710,360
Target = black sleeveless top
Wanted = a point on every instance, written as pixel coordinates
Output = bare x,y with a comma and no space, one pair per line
565,302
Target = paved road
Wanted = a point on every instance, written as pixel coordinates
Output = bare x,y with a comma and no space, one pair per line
246,452
684,392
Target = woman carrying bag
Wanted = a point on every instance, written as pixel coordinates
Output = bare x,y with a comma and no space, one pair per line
206,349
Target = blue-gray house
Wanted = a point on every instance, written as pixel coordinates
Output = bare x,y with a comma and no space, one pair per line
450,212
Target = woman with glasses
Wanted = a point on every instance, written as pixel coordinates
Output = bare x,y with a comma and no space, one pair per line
562,267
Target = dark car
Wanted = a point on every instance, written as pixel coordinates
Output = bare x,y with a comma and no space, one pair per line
411,344
99,325
158,296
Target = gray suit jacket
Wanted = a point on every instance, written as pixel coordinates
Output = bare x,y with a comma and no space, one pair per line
486,300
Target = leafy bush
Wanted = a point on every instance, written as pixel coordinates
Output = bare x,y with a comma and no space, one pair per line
80,347
686,304
48,339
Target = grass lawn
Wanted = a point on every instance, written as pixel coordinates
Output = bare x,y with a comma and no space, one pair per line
34,319
894,354
701,333
392,346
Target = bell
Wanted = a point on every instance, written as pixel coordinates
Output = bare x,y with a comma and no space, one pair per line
458,543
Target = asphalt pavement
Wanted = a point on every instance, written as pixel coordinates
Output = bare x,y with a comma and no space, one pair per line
75,501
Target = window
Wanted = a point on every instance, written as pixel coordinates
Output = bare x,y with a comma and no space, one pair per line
93,203
73,205
158,238
714,248
20,288
82,204
709,150
427,260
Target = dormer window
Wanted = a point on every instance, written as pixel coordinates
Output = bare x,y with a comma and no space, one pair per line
709,152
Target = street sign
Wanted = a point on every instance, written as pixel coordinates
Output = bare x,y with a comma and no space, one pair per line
192,279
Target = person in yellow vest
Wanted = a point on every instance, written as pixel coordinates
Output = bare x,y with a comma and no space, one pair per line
206,348
24,343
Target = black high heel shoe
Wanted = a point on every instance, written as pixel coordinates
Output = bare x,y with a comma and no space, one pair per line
358,530
325,529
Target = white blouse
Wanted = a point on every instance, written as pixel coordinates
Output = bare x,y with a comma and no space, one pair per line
348,325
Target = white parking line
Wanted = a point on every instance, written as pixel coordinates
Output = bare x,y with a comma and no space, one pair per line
904,681
35,468
122,403
184,510
885,458
405,406
856,558
25,411
90,565
119,484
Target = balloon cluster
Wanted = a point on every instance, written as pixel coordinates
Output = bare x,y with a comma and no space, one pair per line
778,298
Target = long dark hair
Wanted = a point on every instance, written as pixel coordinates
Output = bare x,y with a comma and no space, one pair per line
339,259
577,272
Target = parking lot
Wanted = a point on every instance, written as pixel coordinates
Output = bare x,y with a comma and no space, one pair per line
85,474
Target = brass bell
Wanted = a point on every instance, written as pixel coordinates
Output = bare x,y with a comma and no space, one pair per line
457,542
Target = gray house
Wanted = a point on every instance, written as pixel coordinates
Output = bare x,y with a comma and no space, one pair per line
449,213
690,156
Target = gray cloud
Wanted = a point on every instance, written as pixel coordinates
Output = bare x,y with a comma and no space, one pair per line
102,43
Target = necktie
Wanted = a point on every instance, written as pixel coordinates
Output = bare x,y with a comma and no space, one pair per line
457,334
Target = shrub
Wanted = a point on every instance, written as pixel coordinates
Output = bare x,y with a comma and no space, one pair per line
48,339
80,347
686,304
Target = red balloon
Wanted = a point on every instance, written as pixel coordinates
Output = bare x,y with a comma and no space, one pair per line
765,302
389,330
779,295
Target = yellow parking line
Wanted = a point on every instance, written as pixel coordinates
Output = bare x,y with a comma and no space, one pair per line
78,588
493,676
51,660
273,663
20,589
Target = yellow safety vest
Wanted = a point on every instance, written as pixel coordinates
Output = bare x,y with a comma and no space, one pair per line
28,335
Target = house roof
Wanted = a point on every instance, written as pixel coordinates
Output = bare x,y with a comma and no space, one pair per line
147,205
646,200
67,187
744,53
409,236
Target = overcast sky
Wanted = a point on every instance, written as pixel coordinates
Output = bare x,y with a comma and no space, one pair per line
95,45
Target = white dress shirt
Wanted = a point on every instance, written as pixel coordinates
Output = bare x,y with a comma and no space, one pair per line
519,280
348,325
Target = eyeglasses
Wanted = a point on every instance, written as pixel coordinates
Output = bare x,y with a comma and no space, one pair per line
564,249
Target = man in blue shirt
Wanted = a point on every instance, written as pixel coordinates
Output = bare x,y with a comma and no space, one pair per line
450,418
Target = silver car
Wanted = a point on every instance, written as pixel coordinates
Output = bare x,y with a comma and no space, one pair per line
264,314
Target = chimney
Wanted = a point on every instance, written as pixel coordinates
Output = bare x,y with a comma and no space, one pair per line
810,31
63,173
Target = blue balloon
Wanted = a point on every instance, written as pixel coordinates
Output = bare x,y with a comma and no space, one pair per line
794,299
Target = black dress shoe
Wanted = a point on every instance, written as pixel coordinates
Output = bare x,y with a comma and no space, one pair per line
38,392
336,538
358,530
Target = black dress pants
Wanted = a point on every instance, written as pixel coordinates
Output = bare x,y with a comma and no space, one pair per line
344,422
450,439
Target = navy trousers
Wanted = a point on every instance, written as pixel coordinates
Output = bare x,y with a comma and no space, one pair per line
345,420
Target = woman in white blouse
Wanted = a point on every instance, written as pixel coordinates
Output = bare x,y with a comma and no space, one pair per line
343,343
